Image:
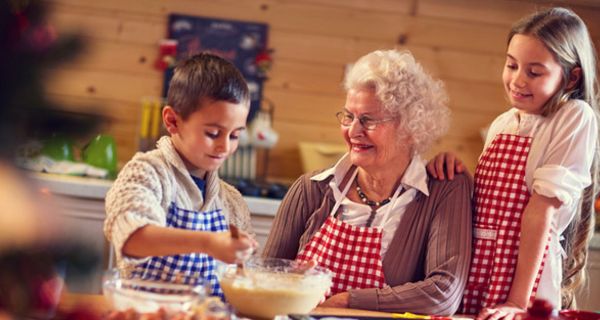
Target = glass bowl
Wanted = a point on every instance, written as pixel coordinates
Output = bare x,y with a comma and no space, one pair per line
125,292
270,287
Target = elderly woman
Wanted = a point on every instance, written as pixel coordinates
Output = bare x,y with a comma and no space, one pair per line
396,239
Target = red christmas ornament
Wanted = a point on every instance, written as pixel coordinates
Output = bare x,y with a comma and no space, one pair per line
264,61
167,53
48,293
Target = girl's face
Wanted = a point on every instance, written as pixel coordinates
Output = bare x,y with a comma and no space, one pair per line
531,74
209,135
374,148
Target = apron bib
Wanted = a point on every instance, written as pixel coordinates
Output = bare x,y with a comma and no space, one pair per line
501,196
353,253
193,268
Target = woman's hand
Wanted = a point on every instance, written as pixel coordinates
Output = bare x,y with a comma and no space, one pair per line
447,160
339,300
505,311
304,266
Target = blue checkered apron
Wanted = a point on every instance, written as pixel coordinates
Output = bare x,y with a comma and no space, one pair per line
193,268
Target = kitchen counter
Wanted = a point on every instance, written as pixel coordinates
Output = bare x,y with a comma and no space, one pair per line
73,185
97,304
92,188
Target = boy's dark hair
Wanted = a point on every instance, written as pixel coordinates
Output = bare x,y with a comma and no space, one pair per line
205,76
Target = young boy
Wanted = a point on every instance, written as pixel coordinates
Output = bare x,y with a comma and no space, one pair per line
168,212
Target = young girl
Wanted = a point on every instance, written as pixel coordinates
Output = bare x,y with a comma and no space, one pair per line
536,176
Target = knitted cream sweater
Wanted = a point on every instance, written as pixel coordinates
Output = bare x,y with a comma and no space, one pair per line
149,183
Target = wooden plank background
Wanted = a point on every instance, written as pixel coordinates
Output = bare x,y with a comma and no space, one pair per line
460,41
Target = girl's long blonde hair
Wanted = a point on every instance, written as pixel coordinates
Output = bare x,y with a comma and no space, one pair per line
565,35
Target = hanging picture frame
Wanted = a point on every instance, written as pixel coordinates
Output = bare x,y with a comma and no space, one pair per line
241,42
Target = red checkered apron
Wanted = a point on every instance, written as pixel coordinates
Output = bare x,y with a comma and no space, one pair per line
353,253
500,199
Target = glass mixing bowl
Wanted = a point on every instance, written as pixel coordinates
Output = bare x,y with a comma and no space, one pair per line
270,287
125,292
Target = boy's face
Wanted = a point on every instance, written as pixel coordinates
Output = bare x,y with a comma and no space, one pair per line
209,135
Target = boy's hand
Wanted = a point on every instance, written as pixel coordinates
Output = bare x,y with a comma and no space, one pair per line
229,250
447,160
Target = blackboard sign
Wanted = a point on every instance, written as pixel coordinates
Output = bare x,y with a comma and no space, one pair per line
237,41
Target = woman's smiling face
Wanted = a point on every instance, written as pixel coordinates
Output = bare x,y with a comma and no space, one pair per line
374,148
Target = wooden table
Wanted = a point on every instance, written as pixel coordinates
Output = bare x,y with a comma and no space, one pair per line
97,304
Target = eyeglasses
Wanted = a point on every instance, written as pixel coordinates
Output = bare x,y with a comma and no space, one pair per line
346,119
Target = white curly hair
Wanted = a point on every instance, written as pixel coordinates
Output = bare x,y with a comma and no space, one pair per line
406,91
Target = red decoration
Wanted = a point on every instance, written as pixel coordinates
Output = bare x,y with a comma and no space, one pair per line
264,61
167,53
48,293
81,313
42,37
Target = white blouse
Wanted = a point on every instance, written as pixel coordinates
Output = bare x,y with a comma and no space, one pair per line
388,216
558,165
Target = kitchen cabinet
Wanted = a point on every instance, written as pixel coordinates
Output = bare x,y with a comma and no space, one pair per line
81,204
83,219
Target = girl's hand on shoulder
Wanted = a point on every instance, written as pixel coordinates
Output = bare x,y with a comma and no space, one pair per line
445,162
505,311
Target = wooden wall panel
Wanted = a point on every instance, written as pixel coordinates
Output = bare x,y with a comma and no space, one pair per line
293,106
312,18
322,49
108,85
485,11
110,25
114,57
461,42
452,64
469,96
505,12
305,77
396,6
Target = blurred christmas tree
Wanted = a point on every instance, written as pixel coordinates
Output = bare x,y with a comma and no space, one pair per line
29,46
